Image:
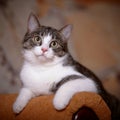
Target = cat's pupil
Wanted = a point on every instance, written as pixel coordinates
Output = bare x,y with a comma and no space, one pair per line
53,43
37,38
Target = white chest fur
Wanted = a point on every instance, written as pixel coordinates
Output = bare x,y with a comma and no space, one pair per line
40,79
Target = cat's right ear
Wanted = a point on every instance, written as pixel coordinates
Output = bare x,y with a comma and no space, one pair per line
66,31
33,23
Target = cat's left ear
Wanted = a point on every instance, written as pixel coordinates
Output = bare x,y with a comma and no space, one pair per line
66,31
33,22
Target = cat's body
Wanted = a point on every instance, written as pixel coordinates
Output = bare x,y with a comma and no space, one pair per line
49,68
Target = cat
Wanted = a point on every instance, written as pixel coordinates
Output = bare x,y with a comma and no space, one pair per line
49,68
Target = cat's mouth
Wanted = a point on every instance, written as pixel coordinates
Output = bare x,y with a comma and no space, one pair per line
44,56
41,55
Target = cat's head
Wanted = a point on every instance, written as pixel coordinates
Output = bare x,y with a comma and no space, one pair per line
45,44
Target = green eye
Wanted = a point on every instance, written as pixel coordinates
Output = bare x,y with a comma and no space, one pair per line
37,40
54,44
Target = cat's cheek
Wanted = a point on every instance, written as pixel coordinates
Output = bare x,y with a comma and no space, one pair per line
28,55
49,54
37,51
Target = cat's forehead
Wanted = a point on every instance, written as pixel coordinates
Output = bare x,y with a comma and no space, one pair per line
49,31
47,38
45,32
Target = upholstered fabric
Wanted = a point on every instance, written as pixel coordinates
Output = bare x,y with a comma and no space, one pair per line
41,108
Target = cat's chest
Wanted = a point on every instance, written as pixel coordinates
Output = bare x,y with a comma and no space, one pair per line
48,75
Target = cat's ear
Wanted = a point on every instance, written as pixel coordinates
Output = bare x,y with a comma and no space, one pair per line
66,31
33,23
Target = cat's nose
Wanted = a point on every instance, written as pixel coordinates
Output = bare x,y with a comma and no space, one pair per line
44,50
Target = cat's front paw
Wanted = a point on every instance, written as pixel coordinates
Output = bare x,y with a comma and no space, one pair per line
17,107
60,104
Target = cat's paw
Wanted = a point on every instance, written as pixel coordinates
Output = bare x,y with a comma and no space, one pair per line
17,107
60,104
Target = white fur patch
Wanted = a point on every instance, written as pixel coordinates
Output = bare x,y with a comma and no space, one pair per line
67,90
40,78
24,96
47,39
37,51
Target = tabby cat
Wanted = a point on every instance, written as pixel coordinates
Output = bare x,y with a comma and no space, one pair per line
49,68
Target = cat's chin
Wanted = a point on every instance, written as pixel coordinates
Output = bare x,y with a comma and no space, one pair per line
45,59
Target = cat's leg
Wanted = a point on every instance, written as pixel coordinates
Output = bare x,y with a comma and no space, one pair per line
23,98
68,89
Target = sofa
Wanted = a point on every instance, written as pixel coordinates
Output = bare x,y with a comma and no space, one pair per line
83,106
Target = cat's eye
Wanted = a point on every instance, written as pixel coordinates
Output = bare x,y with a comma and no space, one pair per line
54,44
37,40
